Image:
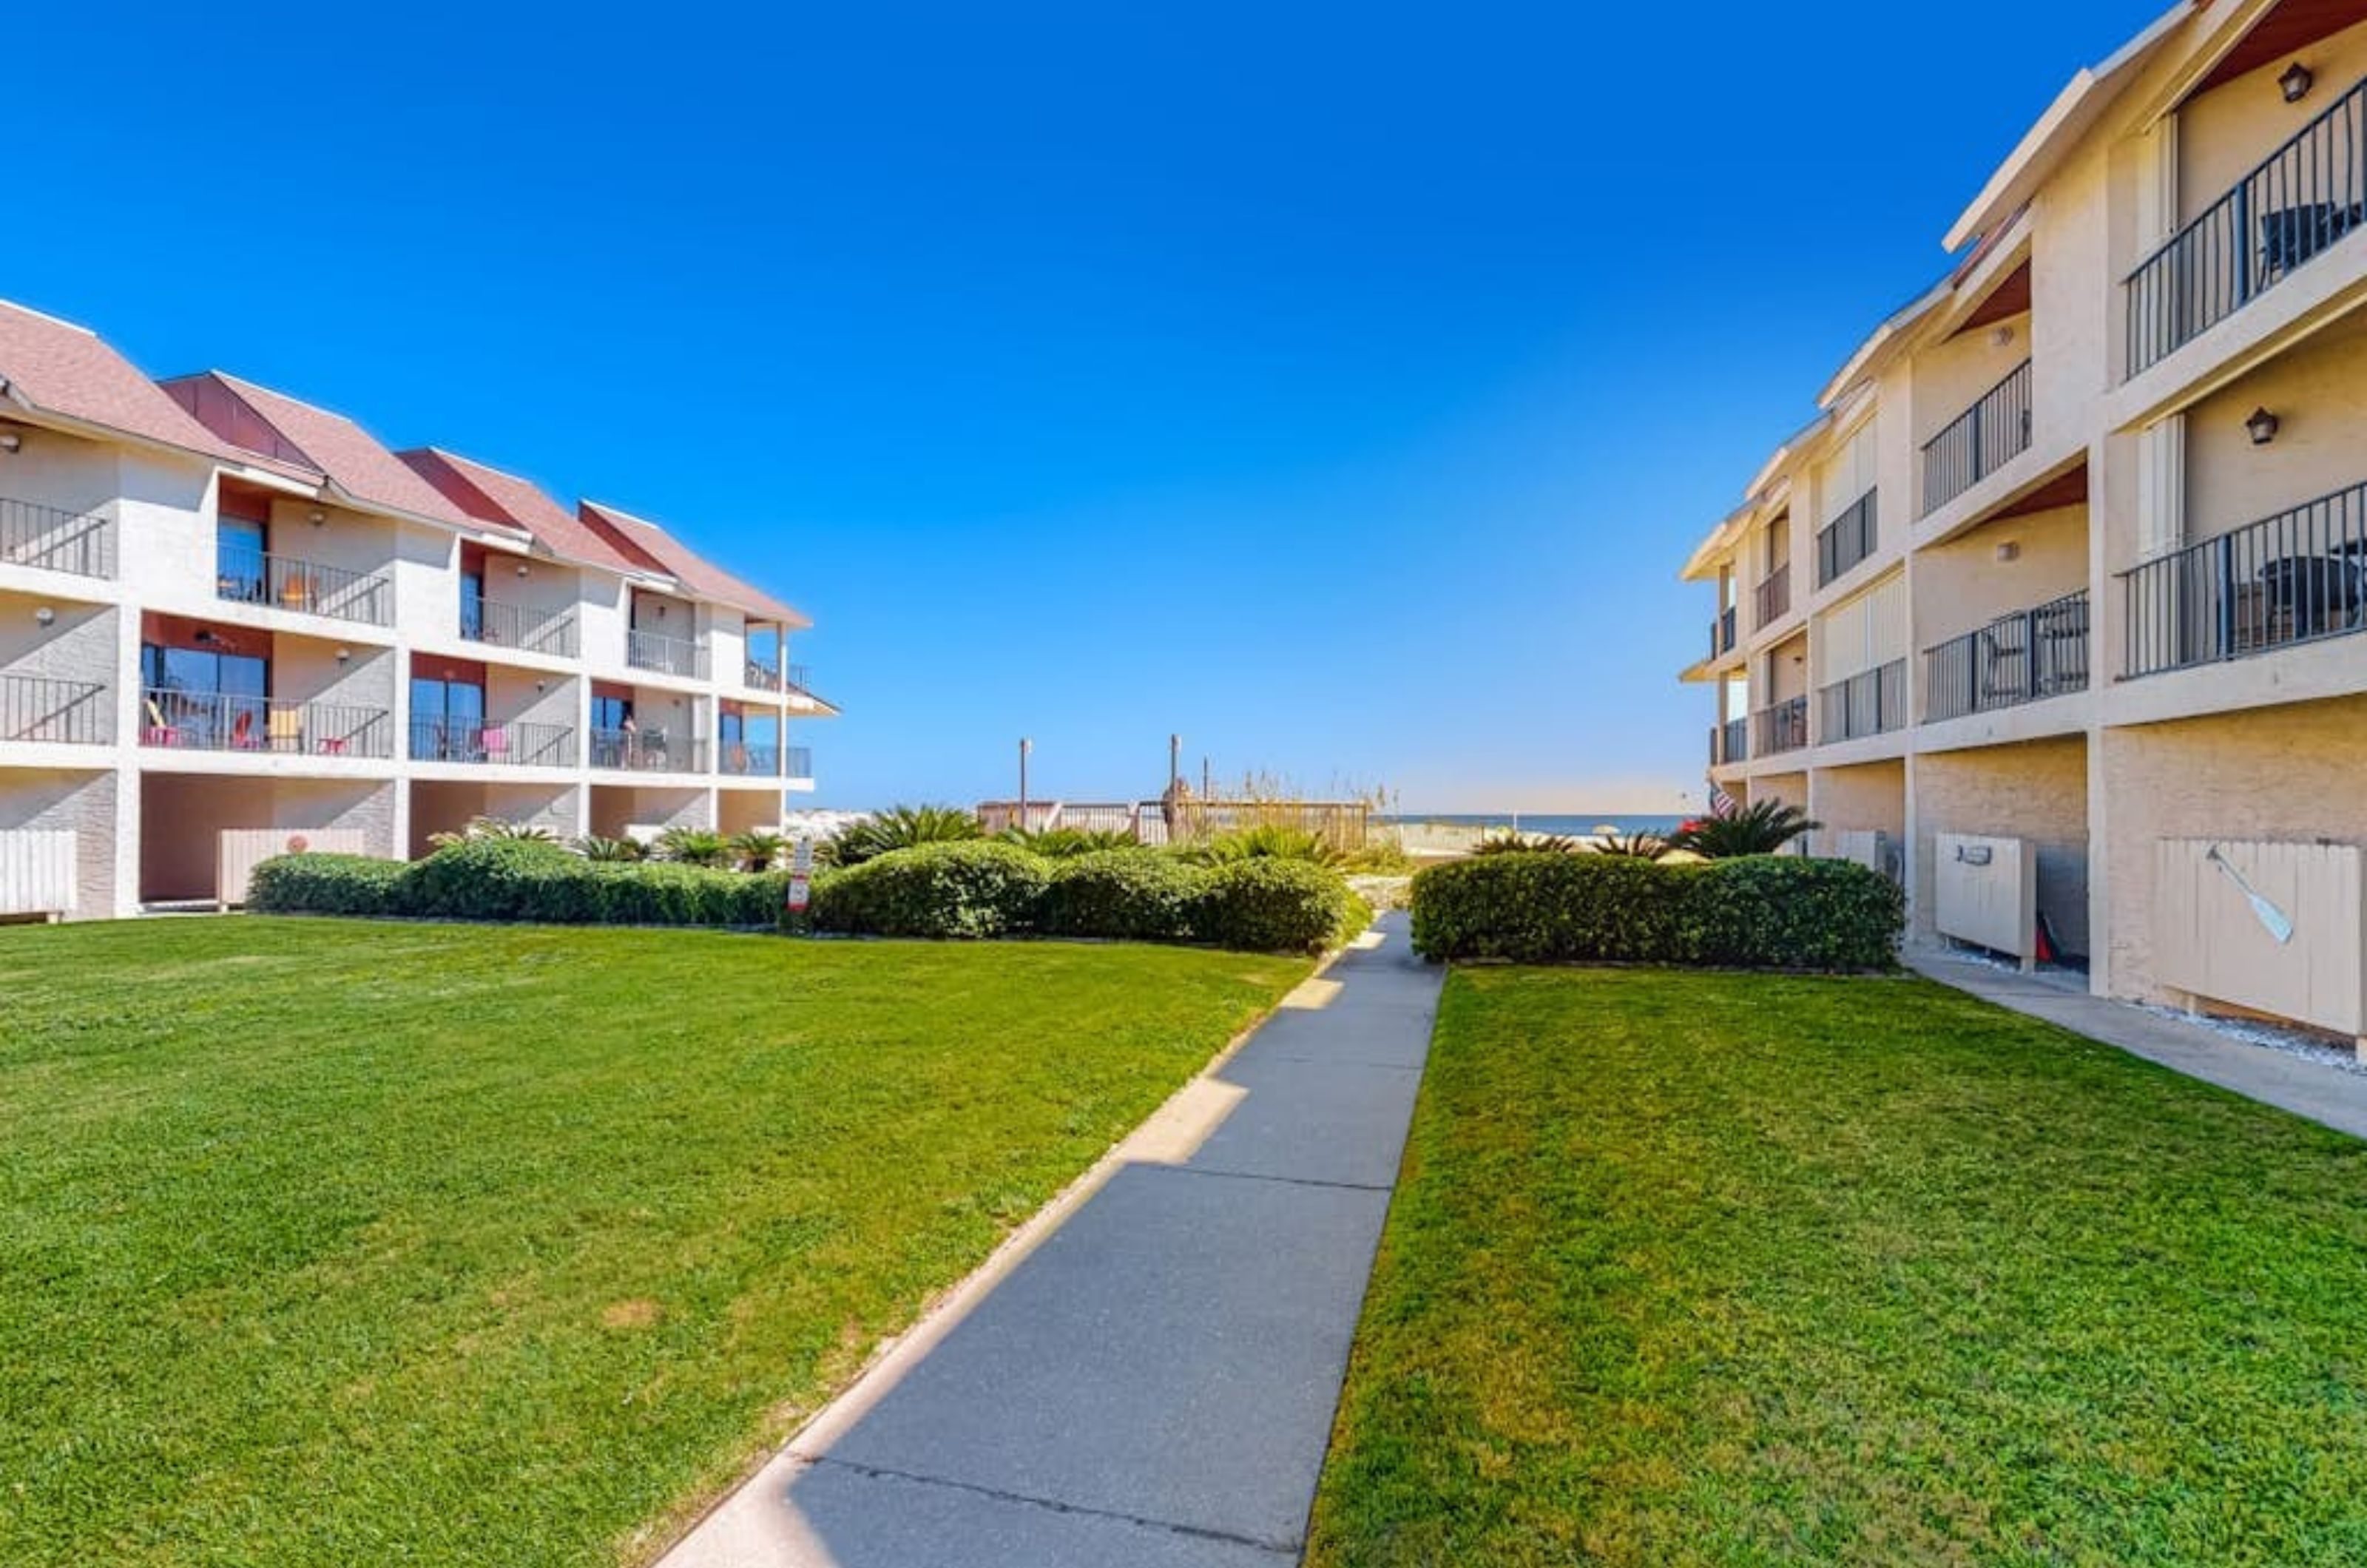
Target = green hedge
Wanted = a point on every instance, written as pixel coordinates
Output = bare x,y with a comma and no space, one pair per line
515,879
1758,912
980,888
1277,906
1123,895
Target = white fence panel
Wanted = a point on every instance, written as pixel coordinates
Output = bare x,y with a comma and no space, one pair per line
1987,894
243,849
2276,927
37,872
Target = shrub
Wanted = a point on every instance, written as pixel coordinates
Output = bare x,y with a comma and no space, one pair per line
1267,841
1760,912
1511,843
493,879
1125,895
980,889
693,846
493,828
1380,857
757,850
1066,843
1268,905
326,885
899,828
1758,828
1632,846
612,852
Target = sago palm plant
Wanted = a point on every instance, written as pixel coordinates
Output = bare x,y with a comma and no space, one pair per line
899,828
1761,827
693,846
756,850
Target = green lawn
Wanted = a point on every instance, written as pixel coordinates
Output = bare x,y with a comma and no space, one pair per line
1718,1269
325,1242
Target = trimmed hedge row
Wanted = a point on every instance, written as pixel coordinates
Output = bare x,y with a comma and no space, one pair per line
515,879
948,890
1754,912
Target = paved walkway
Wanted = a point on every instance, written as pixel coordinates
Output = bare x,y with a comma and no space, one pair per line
2323,1094
1148,1379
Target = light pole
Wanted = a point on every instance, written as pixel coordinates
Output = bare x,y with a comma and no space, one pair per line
1175,762
1025,746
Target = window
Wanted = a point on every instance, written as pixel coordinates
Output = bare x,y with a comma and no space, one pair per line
472,604
202,697
241,569
448,720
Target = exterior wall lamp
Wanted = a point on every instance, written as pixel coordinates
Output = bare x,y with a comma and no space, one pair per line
2296,82
45,617
11,442
2262,426
345,656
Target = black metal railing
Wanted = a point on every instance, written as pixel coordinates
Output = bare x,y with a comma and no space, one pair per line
1866,703
286,582
2296,202
798,760
1782,727
178,720
40,708
647,751
2021,658
1772,599
666,655
1848,538
1980,441
2297,577
1730,742
1721,633
500,624
739,759
55,540
514,743
763,677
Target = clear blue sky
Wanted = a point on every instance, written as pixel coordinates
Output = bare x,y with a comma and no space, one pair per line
1338,385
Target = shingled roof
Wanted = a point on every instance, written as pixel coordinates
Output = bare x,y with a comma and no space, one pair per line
273,425
702,579
55,368
492,496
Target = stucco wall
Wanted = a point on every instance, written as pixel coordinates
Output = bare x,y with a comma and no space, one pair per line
2291,771
617,807
2318,392
1951,376
182,814
2226,132
2037,791
1870,795
83,803
1961,586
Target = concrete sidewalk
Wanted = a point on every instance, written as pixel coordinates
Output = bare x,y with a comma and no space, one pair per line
2323,1094
1148,1379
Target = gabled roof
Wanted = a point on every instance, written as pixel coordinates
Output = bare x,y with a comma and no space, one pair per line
276,426
705,581
55,368
492,496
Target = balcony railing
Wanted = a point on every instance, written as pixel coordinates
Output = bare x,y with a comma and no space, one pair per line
1783,727
647,751
515,744
224,721
738,760
500,624
2298,201
1849,539
1772,600
57,540
1978,442
2021,658
666,655
1866,703
2297,577
1729,742
763,677
287,583
1721,633
40,709
799,762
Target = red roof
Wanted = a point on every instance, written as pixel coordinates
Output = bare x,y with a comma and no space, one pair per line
57,368
348,455
708,582
492,496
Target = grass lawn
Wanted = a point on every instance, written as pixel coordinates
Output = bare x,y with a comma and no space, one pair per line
1702,1268
330,1242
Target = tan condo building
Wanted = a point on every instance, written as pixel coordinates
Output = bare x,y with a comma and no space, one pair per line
2054,612
232,622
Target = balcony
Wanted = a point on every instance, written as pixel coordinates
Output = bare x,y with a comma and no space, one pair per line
1867,703
513,744
225,721
1721,633
56,540
1772,600
666,655
1729,742
1783,727
799,762
763,677
285,583
744,761
2296,202
499,625
1849,539
2300,576
646,751
2022,658
39,709
1978,442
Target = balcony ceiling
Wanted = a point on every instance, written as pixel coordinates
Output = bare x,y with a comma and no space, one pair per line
2009,299
2289,27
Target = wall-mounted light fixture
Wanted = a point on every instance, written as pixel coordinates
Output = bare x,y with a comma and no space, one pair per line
521,568
2001,336
11,442
45,616
317,517
2295,83
2010,550
2262,427
203,638
345,656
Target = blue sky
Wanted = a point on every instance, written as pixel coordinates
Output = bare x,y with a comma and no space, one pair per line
1340,386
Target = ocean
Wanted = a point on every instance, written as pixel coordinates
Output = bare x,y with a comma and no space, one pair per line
1567,824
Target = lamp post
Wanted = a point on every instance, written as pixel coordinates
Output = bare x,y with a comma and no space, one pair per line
1025,746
